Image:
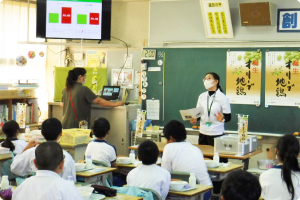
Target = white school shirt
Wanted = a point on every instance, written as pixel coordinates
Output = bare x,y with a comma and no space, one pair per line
221,104
46,185
185,157
150,176
19,146
101,151
274,188
23,164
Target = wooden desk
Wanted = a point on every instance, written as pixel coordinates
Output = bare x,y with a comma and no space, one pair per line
93,177
220,173
192,194
124,196
208,151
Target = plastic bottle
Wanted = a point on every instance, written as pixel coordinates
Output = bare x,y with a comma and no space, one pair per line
132,156
71,180
216,158
192,180
4,183
89,162
27,130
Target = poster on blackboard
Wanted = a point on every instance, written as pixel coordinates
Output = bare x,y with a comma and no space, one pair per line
243,77
282,78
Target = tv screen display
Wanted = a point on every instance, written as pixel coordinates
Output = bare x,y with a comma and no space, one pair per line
74,19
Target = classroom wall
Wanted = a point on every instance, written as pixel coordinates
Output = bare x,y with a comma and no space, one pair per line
130,23
182,21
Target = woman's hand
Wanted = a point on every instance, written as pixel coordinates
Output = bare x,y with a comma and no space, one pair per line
193,120
219,117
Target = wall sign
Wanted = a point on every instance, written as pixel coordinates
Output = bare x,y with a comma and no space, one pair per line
288,20
216,18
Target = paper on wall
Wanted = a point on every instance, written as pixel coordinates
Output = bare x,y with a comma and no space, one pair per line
152,109
128,61
190,113
136,91
137,77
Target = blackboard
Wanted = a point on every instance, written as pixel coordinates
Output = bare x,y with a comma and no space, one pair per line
184,70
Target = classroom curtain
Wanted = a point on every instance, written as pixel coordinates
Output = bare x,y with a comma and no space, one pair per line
13,29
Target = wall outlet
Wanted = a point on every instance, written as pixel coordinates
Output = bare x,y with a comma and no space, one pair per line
259,147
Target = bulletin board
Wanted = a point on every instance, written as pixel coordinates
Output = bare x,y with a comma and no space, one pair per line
184,70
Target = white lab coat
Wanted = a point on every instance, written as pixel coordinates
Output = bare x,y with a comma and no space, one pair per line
23,164
150,176
46,185
19,146
185,157
220,104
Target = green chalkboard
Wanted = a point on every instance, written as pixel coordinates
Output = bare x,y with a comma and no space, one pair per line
184,70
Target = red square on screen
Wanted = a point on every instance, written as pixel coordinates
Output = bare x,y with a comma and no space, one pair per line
94,18
66,15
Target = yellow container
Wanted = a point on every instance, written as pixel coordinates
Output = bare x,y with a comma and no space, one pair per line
75,136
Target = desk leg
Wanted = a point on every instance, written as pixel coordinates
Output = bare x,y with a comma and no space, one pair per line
246,164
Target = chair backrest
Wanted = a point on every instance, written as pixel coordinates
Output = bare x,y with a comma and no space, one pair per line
183,176
156,196
100,163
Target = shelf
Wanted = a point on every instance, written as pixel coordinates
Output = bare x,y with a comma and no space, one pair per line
101,45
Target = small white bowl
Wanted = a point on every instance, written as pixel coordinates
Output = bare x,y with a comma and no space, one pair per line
211,163
177,185
79,166
85,192
124,160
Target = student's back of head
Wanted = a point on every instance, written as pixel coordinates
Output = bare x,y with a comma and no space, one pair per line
174,130
48,156
287,149
148,152
51,129
241,185
10,129
100,127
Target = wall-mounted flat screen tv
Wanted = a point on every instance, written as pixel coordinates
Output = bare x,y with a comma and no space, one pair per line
74,19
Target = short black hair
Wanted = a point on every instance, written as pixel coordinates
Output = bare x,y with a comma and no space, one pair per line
48,156
176,129
241,185
100,127
148,152
51,128
10,128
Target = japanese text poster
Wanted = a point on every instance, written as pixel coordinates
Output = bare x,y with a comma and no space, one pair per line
216,18
243,77
282,78
96,58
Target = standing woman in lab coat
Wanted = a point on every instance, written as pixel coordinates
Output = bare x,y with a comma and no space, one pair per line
215,110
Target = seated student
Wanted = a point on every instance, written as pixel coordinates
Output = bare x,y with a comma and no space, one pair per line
51,130
149,175
11,130
99,149
47,184
283,181
241,185
182,156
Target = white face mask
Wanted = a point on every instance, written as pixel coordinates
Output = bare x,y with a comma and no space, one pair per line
209,83
83,82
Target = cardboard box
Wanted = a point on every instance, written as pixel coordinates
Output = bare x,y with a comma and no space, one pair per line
8,94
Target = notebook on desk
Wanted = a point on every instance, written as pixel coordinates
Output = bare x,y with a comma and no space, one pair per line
110,93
